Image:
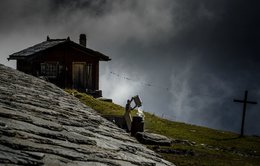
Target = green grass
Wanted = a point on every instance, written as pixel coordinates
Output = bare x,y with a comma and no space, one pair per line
211,147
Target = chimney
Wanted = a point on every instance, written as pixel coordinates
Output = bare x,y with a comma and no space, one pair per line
83,40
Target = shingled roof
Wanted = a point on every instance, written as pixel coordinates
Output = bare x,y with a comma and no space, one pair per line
49,43
41,124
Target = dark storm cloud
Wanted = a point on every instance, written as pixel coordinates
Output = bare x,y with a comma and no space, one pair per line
225,59
197,55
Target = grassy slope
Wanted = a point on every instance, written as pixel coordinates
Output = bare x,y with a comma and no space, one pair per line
210,147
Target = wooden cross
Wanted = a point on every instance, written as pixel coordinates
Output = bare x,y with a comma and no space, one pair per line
245,102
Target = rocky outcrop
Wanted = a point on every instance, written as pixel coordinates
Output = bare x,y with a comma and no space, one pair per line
152,139
41,124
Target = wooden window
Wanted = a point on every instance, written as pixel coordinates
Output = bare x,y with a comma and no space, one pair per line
50,69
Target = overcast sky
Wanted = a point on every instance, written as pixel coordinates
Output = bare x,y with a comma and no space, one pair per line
186,59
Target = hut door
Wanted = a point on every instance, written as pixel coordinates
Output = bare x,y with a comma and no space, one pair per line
89,76
79,75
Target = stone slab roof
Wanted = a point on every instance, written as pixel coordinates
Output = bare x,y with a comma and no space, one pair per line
41,124
51,43
37,48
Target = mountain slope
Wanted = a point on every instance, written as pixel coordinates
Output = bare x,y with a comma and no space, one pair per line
192,145
42,124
